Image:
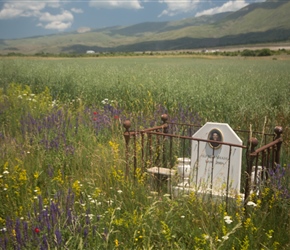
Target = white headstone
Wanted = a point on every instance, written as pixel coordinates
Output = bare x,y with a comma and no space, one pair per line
216,167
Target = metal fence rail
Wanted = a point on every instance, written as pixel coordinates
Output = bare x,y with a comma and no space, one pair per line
155,150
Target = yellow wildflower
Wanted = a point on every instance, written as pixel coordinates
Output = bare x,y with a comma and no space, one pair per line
76,187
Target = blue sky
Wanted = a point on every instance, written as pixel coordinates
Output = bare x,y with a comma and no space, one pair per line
26,18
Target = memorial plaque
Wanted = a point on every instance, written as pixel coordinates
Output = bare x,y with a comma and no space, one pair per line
216,167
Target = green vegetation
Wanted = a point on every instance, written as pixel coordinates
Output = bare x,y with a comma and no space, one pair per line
207,85
62,182
232,52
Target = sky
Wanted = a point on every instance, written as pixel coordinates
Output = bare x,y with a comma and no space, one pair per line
29,18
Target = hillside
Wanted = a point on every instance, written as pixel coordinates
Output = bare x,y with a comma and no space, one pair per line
267,22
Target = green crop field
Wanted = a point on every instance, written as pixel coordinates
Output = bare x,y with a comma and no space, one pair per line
234,90
62,183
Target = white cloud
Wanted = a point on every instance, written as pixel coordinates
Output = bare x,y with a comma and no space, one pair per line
59,22
83,29
64,16
233,5
35,8
7,13
58,25
75,10
13,9
116,4
177,7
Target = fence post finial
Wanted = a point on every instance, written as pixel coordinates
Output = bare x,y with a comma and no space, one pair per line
164,119
278,130
253,142
127,125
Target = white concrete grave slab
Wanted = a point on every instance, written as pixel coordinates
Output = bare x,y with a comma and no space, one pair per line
216,168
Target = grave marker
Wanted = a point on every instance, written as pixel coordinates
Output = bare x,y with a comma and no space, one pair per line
216,168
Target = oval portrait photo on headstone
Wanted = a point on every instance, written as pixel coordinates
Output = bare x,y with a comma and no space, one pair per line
215,135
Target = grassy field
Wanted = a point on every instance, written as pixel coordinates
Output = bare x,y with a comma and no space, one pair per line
62,183
234,90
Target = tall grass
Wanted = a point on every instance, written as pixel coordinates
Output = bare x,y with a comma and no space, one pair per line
62,182
234,90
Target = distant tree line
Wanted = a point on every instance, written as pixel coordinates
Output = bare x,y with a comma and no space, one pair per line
244,53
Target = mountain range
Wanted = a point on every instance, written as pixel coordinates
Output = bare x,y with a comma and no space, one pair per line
264,22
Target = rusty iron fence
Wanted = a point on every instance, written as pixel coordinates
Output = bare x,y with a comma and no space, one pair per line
154,150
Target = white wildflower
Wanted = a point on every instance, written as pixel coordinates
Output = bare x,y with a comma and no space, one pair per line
5,172
250,203
110,202
105,101
226,237
54,103
90,216
206,236
228,219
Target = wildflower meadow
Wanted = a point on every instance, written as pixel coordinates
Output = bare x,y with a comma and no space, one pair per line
62,164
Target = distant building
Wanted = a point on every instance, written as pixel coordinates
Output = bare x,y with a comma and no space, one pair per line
90,52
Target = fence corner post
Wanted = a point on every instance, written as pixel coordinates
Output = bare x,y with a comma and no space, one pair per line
253,143
127,125
278,130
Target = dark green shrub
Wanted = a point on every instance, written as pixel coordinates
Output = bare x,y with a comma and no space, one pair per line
248,52
264,52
